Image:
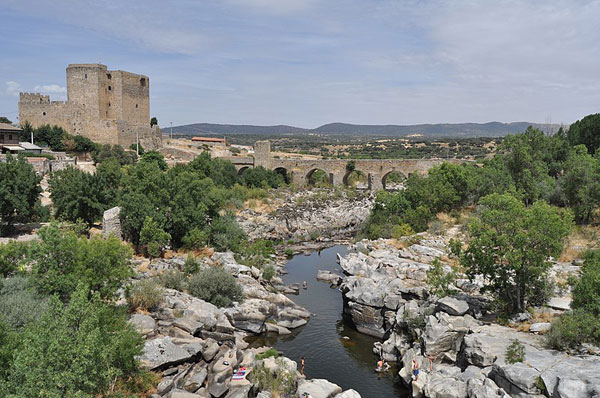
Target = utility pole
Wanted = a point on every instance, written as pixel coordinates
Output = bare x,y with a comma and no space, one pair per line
171,130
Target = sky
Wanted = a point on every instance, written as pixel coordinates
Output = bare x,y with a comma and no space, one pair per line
311,62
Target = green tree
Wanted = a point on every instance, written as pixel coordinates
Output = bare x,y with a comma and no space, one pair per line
153,121
108,182
145,194
153,238
586,290
4,119
510,246
75,195
50,135
156,157
114,151
61,262
259,177
581,183
84,144
526,159
225,233
77,349
19,191
587,132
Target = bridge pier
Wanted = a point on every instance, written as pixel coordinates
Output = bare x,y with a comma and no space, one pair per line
375,181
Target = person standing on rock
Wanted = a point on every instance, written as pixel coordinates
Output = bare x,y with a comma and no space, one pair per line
302,366
415,369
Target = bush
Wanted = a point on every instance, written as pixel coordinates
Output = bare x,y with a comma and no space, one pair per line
282,381
515,352
191,266
75,350
439,280
289,253
62,261
13,256
144,295
268,273
226,234
271,352
400,230
216,286
153,238
586,290
173,279
19,303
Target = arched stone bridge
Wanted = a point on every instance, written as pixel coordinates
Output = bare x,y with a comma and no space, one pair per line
300,171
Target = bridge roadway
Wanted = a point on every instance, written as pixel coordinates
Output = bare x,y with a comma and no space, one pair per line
300,171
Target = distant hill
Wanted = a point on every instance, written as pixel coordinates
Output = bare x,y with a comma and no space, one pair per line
492,129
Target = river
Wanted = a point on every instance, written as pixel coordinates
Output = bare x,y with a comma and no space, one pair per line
349,363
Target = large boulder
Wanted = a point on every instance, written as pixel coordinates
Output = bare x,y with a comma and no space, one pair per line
328,276
444,333
318,388
368,320
144,324
161,353
452,306
517,378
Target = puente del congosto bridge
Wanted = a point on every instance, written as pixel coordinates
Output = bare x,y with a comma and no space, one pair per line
300,170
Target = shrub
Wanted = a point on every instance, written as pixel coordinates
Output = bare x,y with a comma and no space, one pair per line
401,230
586,290
196,238
191,266
153,238
13,256
271,352
226,234
572,329
144,295
62,261
173,279
216,286
289,253
515,352
268,273
19,303
439,280
282,381
78,350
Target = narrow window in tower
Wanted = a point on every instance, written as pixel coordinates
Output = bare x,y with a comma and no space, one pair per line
85,76
143,82
44,113
109,104
136,105
109,76
109,88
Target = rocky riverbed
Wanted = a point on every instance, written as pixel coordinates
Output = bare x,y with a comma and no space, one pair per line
307,215
459,352
198,347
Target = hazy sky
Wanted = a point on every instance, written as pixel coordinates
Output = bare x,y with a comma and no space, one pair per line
309,62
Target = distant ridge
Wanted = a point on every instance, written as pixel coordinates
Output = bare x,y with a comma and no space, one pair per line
491,129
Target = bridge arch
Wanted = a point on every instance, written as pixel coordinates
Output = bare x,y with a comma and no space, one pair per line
284,173
319,177
241,170
357,179
393,180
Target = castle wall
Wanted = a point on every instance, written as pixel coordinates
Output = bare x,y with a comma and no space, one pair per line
109,107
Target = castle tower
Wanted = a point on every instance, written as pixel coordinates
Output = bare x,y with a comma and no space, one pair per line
109,107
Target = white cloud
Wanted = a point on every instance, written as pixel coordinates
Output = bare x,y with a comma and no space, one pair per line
51,88
13,88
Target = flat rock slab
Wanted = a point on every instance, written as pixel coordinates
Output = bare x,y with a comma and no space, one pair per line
162,353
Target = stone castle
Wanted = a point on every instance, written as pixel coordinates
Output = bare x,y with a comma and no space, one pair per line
109,107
